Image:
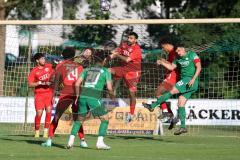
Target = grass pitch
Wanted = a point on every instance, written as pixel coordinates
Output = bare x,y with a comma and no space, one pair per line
134,147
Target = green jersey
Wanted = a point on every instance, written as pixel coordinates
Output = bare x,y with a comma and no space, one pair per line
95,79
186,64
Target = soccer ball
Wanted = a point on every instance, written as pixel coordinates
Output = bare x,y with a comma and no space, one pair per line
105,5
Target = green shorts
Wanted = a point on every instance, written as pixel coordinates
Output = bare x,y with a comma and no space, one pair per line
95,106
184,89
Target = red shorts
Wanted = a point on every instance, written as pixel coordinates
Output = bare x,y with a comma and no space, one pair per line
170,80
43,100
131,78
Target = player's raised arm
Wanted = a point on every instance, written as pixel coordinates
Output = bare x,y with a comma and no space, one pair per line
77,86
166,64
198,70
115,54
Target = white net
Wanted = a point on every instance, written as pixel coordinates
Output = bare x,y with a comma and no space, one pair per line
214,109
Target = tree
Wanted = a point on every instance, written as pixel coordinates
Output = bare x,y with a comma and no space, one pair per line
15,9
93,33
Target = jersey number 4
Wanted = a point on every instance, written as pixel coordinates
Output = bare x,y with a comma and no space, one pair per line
73,75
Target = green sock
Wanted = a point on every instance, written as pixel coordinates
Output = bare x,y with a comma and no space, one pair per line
103,128
182,116
76,127
161,99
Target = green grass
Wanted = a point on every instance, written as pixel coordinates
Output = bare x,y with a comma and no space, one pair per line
126,147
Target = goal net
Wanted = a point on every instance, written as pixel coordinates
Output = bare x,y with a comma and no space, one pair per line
213,110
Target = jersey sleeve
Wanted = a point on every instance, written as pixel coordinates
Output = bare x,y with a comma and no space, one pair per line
31,77
108,75
120,48
195,58
83,75
80,69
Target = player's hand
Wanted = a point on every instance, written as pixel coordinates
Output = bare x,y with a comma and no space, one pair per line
160,61
48,83
191,82
113,55
76,100
40,83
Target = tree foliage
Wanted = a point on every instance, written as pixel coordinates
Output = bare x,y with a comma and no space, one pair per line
94,33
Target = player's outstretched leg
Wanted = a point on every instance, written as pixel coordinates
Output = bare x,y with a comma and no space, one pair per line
101,134
160,100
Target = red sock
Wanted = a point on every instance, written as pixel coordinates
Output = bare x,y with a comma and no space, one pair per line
52,128
164,106
81,133
37,122
47,120
132,109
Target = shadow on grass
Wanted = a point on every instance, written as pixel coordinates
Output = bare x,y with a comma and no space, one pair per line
137,137
37,142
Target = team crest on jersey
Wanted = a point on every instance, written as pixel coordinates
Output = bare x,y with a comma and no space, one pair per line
46,69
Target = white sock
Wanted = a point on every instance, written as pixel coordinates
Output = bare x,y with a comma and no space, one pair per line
45,130
71,140
100,139
49,139
165,110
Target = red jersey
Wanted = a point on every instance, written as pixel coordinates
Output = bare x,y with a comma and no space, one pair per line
171,57
134,52
69,72
41,74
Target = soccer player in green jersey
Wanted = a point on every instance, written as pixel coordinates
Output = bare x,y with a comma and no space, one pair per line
92,79
189,65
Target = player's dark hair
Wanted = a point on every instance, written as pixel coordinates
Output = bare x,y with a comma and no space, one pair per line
179,44
99,56
133,34
166,40
68,52
38,55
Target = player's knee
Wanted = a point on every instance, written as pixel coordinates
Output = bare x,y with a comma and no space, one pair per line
174,90
182,101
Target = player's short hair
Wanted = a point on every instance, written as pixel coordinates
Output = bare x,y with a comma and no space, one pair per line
166,40
179,44
68,52
38,55
99,56
133,34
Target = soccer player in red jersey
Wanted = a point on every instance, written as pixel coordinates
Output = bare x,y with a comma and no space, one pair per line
171,77
39,78
130,71
67,72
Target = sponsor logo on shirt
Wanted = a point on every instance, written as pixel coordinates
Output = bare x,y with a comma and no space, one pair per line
184,63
